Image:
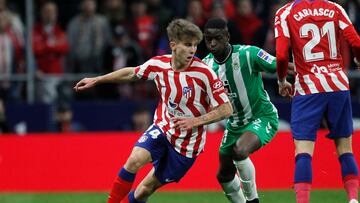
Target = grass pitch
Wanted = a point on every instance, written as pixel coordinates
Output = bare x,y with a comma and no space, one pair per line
268,196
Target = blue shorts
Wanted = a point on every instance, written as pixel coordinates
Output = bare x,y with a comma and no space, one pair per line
170,166
307,112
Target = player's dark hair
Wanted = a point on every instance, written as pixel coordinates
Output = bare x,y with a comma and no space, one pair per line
216,23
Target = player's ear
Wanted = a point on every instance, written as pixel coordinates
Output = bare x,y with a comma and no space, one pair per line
172,45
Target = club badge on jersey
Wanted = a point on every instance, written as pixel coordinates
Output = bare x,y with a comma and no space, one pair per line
265,56
187,92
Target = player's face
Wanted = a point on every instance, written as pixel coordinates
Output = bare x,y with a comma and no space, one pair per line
216,40
184,51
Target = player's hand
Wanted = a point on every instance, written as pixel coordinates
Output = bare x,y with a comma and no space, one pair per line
183,123
285,89
85,84
357,63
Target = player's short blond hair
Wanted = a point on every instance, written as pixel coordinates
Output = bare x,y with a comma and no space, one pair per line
180,30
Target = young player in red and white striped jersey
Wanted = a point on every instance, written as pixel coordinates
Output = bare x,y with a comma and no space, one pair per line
188,88
312,28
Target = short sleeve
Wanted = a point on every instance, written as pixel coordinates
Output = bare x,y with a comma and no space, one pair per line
215,89
281,24
263,61
146,70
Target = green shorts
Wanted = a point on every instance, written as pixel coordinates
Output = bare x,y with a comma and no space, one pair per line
265,128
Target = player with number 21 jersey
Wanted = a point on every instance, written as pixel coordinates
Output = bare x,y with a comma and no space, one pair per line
314,29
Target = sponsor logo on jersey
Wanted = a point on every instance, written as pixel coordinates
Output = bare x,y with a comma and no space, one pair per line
187,92
172,105
318,69
218,84
175,111
265,56
143,139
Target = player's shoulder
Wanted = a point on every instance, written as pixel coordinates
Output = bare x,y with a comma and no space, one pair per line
159,60
199,63
162,61
284,8
243,49
335,6
208,58
163,58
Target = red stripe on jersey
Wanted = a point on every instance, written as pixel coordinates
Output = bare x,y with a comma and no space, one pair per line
177,100
160,103
203,101
332,84
163,58
200,83
317,83
190,102
190,105
185,143
137,69
303,85
341,79
198,141
145,76
166,100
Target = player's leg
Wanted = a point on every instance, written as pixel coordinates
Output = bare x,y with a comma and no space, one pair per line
248,143
341,127
306,115
143,191
226,175
254,135
228,179
349,168
303,170
124,181
146,149
169,166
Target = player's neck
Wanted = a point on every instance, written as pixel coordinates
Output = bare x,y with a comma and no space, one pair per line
177,66
224,56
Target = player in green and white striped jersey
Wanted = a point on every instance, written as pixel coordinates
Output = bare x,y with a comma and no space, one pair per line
254,121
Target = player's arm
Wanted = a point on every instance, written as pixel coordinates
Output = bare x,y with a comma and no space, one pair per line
121,75
267,62
282,64
216,114
282,48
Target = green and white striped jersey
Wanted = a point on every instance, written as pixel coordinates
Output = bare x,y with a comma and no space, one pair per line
241,75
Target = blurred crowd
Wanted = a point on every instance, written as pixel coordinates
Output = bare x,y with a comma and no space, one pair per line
96,37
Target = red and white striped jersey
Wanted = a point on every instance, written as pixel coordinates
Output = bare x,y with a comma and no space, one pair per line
313,28
188,93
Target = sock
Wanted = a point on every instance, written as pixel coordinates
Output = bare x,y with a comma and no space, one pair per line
122,186
303,168
302,191
349,172
131,198
233,191
303,177
246,171
351,185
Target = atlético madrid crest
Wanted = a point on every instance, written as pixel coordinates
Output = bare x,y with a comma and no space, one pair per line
187,92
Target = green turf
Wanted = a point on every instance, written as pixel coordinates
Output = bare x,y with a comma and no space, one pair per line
278,196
